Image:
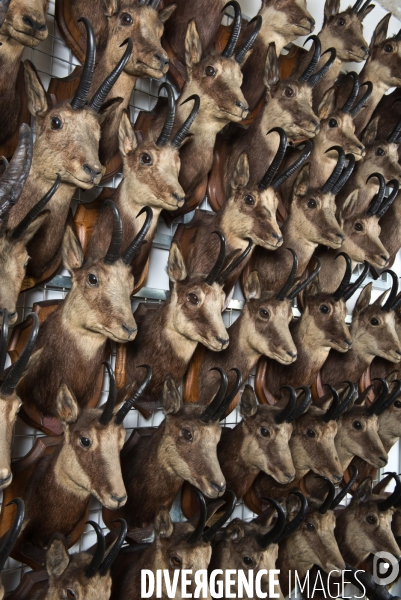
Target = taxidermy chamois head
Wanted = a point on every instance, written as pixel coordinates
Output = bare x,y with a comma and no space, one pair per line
25,22
344,30
9,401
11,537
80,576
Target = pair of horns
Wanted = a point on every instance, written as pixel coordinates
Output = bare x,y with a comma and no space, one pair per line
379,205
359,7
222,400
392,301
285,290
308,76
394,137
350,107
270,178
199,532
280,530
385,398
12,378
152,3
113,252
332,501
291,411
81,95
394,498
168,125
341,173
218,274
336,407
235,32
346,289
108,409
100,564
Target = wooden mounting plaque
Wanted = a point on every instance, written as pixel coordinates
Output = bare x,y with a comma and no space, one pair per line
8,147
32,582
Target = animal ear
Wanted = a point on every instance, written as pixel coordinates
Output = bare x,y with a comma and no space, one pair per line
363,301
57,557
350,206
331,9
327,104
364,14
73,255
301,185
163,525
272,71
111,7
380,33
313,288
166,12
370,133
108,108
249,404
363,492
252,288
37,102
380,300
126,135
193,47
171,401
33,227
234,531
67,406
240,176
176,268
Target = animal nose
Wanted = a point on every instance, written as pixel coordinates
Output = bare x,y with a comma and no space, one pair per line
361,148
348,343
384,257
162,58
311,21
289,476
92,172
177,197
340,235
337,477
222,341
33,24
383,460
276,236
241,105
365,50
315,123
128,330
399,353
218,487
118,499
292,354
5,476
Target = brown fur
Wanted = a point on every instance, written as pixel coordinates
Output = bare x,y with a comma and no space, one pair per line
9,407
381,367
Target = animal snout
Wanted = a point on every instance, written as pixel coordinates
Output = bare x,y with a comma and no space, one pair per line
93,172
293,355
348,343
119,499
337,477
365,50
162,58
385,257
383,460
277,237
36,25
289,476
180,199
5,477
129,330
219,487
222,341
361,147
341,236
315,124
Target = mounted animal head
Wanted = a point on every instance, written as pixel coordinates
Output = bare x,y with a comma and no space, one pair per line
25,22
80,576
11,537
389,415
68,134
144,24
288,18
384,60
344,30
151,166
9,401
381,154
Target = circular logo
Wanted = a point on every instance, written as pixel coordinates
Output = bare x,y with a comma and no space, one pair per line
385,568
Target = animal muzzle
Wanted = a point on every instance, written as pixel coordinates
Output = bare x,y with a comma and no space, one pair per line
93,172
177,198
12,316
213,488
5,477
335,238
114,501
35,26
379,260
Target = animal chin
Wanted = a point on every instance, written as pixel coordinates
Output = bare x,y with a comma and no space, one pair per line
282,360
27,39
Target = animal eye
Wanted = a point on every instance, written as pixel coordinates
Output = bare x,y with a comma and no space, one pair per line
249,200
312,203
388,48
175,561
265,432
187,435
247,560
333,123
70,594
357,425
56,123
310,433
289,92
380,152
310,527
210,71
92,279
324,309
374,321
264,313
341,22
397,404
145,158
371,520
126,19
86,443
193,299
358,227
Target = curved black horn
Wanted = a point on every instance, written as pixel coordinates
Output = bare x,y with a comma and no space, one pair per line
330,495
16,173
135,246
15,373
170,115
296,522
197,533
282,294
278,181
183,131
229,397
155,4
264,540
393,396
211,408
98,556
306,75
355,110
338,169
378,198
394,183
36,210
211,532
13,532
340,497
285,413
215,272
357,6
302,406
115,549
271,172
393,497
314,80
393,138
234,263
242,52
128,404
107,413
345,404
354,93
388,305
345,175
236,29
81,94
307,281
357,283
3,340
101,94
342,288
113,252
379,401
331,412
397,302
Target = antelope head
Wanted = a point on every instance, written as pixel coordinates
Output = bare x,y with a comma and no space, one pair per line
81,576
389,415
68,133
11,537
381,155
25,22
344,30
384,60
287,18
9,401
